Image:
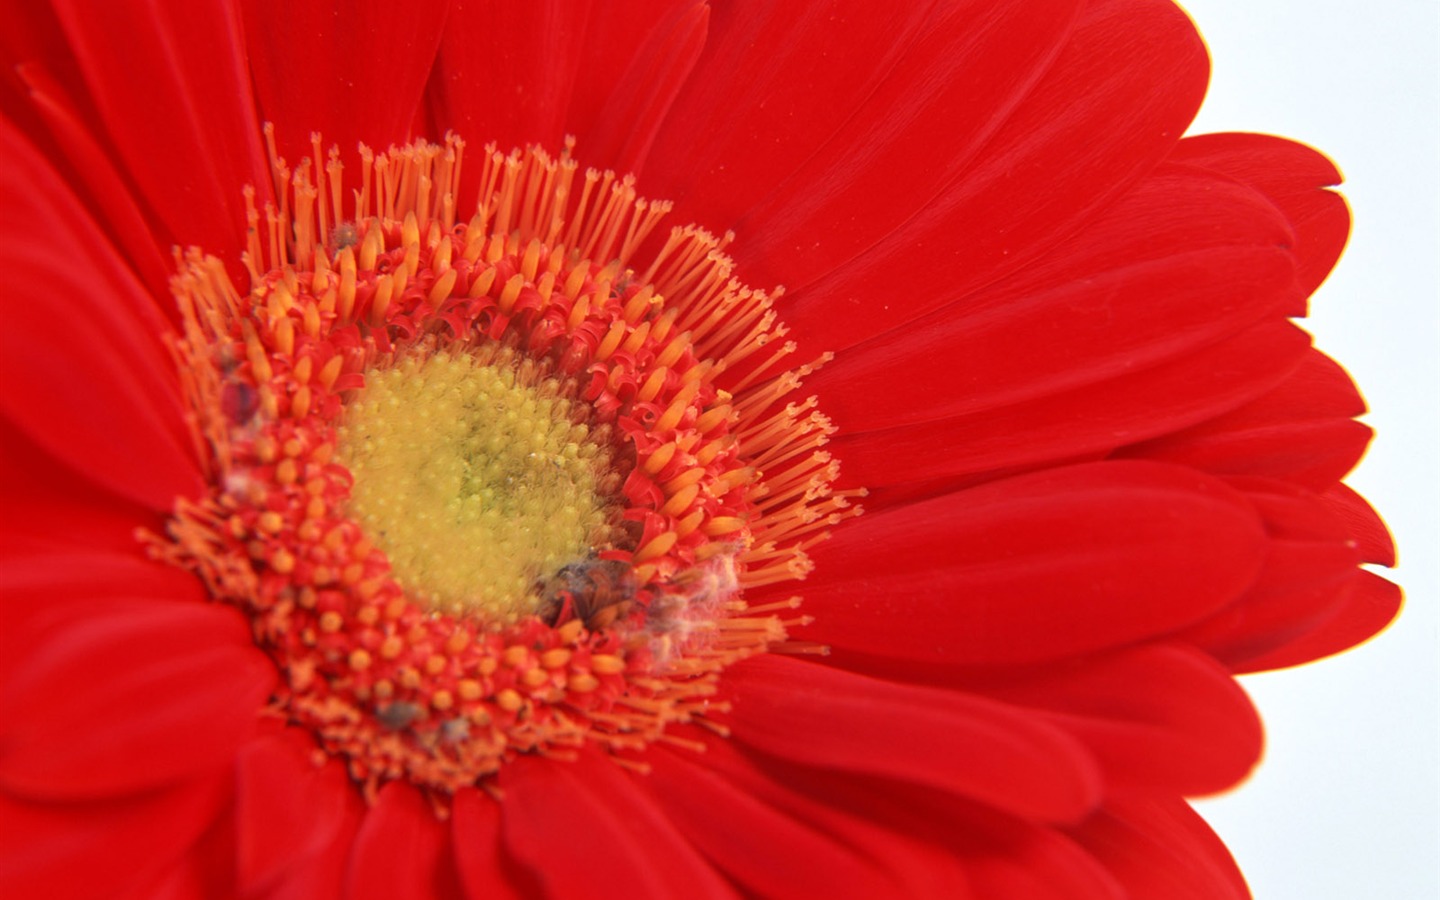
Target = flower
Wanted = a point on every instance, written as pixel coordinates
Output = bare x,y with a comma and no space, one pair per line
1103,467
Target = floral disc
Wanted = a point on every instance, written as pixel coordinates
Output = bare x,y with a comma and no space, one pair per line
493,486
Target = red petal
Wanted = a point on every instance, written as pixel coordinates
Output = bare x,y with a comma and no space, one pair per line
81,849
86,374
1363,524
984,854
51,508
1035,567
485,872
121,696
584,831
905,462
177,66
323,875
1294,177
1179,264
36,589
400,849
1156,716
1301,431
631,118
534,67
1030,863
971,746
1159,849
796,110
1310,568
1112,104
768,851
287,809
87,165
1371,604
353,73
605,74
205,872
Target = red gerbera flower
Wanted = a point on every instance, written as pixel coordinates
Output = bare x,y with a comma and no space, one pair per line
462,552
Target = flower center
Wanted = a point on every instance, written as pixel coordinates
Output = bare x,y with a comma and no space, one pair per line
497,486
475,485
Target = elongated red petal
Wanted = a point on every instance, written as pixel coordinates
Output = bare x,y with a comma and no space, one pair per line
205,872
1362,523
120,696
86,373
631,119
177,65
1295,178
1155,716
1301,431
991,753
1310,568
486,873
88,167
399,850
757,845
534,69
323,874
582,830
54,509
1083,423
984,854
1159,849
1371,604
856,133
288,809
603,73
1123,88
1181,263
37,588
1036,567
353,73
101,846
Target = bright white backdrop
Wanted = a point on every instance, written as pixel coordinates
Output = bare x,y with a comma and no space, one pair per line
1346,803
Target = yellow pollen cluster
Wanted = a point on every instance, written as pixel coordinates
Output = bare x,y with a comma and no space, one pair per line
475,485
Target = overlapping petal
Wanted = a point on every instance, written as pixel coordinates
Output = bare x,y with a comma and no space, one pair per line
352,73
1303,430
1158,848
1082,424
1294,177
1155,716
753,829
969,746
78,850
1183,262
116,696
851,137
401,851
189,60
287,809
81,355
1144,70
1101,554
577,827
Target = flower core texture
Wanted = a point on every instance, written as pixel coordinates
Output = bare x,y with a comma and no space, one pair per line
477,482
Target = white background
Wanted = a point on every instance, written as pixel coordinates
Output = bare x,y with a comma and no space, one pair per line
1346,803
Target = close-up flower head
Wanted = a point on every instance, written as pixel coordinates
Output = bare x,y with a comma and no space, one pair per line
651,449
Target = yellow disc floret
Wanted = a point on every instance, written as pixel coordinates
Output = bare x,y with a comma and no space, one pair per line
476,485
